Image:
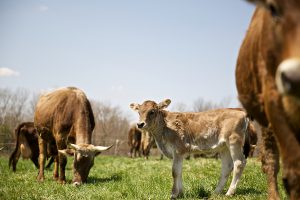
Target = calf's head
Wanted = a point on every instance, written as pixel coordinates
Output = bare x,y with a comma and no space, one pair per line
148,112
282,43
84,155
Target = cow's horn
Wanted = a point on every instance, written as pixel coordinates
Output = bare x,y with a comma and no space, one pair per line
101,148
74,146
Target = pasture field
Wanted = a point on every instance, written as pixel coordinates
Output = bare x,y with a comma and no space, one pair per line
124,178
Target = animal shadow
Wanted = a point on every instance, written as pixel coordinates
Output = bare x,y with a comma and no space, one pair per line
112,178
198,193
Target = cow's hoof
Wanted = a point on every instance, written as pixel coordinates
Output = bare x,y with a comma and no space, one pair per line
40,178
61,181
55,177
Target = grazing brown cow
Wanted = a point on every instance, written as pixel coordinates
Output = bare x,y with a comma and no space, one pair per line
66,117
134,140
268,84
27,146
179,134
147,143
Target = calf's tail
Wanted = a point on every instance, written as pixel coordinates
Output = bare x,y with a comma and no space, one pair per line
13,158
247,145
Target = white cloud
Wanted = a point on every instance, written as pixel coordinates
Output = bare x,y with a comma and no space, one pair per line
43,8
8,72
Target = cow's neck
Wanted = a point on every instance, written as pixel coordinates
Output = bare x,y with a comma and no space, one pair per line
161,134
83,132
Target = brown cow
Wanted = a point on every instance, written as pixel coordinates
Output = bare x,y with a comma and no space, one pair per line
134,140
66,117
268,80
147,144
252,134
179,134
27,146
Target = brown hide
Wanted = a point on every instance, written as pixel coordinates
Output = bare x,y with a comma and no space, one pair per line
27,145
134,140
65,116
267,79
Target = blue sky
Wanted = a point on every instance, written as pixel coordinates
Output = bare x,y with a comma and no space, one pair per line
124,51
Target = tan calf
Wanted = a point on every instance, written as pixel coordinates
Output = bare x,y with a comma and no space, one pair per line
179,134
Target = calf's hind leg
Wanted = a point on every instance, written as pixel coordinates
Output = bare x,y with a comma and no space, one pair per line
227,166
239,163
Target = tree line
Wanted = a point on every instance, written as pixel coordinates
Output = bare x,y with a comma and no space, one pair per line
112,125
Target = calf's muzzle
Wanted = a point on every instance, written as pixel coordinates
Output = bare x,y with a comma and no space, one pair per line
288,77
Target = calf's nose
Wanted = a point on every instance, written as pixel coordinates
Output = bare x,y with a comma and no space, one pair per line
288,77
141,124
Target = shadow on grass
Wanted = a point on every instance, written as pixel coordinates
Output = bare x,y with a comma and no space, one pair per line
244,191
202,193
112,178
198,192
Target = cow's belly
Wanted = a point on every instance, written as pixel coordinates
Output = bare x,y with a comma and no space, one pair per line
207,147
25,151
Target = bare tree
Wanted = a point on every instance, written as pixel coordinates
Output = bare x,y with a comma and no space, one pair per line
180,107
202,105
111,125
12,112
31,106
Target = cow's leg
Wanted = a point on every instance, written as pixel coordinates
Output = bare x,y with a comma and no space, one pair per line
177,176
62,159
239,163
270,162
131,151
14,158
42,159
55,168
227,166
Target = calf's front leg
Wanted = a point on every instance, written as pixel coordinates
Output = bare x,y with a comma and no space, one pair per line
177,176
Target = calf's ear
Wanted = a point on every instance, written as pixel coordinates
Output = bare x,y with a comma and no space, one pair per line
134,106
164,104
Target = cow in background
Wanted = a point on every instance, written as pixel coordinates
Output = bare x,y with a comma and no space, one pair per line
27,146
65,117
179,134
147,144
252,134
134,141
268,84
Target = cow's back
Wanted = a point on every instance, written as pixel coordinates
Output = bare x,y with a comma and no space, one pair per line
64,110
195,122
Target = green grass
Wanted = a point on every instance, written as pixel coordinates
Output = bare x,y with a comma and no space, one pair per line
125,178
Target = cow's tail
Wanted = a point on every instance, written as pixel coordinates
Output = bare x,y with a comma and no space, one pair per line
247,145
13,159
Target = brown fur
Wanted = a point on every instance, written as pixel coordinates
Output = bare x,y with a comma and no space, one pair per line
134,141
27,146
179,134
65,116
273,37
